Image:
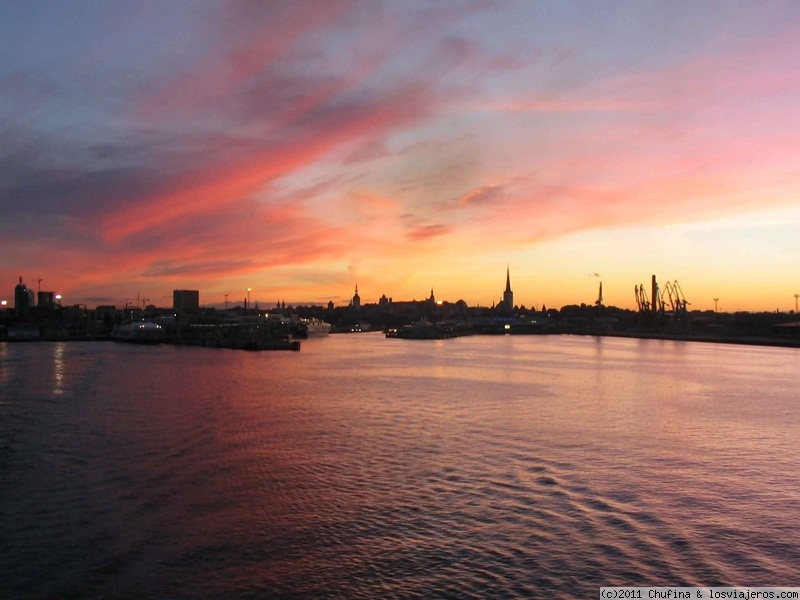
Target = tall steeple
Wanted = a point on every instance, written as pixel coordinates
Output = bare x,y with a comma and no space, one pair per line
508,295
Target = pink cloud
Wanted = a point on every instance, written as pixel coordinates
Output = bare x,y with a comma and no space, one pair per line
224,183
482,195
242,43
426,232
755,71
540,212
231,241
708,137
370,205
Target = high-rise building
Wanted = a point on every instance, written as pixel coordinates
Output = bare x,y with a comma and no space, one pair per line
185,300
22,298
46,299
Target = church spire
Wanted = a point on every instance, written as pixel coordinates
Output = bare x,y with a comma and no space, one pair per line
508,295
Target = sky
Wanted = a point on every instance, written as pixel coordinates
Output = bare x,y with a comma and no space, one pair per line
302,148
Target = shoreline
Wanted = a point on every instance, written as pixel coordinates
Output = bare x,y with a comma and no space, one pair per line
773,342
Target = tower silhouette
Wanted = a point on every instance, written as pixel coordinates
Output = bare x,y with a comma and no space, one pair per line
508,295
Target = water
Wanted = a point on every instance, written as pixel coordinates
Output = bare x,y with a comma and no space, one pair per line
504,467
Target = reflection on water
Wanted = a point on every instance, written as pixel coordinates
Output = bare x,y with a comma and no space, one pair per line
5,367
59,350
363,467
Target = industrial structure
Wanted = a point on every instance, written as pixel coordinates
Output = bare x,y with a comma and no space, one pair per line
668,299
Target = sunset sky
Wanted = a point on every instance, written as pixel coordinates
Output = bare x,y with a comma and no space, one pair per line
301,148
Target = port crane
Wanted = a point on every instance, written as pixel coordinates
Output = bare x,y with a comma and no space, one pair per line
674,296
670,297
642,302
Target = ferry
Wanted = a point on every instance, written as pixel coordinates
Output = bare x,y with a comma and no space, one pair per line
316,327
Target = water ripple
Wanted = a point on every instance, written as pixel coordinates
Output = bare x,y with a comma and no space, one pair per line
483,468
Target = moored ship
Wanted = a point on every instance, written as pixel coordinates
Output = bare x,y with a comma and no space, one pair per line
313,328
425,330
138,332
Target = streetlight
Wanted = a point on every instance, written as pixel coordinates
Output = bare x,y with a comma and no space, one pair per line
715,304
796,296
58,299
226,301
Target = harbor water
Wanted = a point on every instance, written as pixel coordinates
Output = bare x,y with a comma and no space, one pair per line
362,467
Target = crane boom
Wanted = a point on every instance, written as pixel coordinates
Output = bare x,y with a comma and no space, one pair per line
642,301
681,298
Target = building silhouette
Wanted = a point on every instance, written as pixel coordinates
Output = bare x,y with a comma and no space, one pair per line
23,298
508,295
46,299
185,301
356,300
